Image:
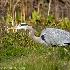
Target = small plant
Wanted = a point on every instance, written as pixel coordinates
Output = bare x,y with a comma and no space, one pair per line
64,23
35,16
50,19
67,22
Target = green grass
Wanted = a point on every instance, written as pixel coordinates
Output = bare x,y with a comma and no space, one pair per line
36,61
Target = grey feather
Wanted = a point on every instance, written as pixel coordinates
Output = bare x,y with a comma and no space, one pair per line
56,36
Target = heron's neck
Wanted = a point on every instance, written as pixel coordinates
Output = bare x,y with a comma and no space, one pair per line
33,37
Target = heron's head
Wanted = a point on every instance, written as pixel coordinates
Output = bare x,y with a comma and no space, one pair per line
21,26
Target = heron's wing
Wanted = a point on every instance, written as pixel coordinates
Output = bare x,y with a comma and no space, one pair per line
56,36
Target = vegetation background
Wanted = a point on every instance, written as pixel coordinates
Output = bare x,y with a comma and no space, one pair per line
17,50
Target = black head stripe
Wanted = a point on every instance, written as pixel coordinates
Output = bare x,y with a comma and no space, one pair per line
23,24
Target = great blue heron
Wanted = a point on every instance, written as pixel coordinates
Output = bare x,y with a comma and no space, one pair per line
49,36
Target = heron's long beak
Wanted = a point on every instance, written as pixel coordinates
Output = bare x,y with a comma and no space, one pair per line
12,28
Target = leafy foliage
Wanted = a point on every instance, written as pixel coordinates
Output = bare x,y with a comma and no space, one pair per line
35,16
65,23
50,19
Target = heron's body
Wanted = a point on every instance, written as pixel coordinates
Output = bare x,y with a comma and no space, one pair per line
49,36
55,36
